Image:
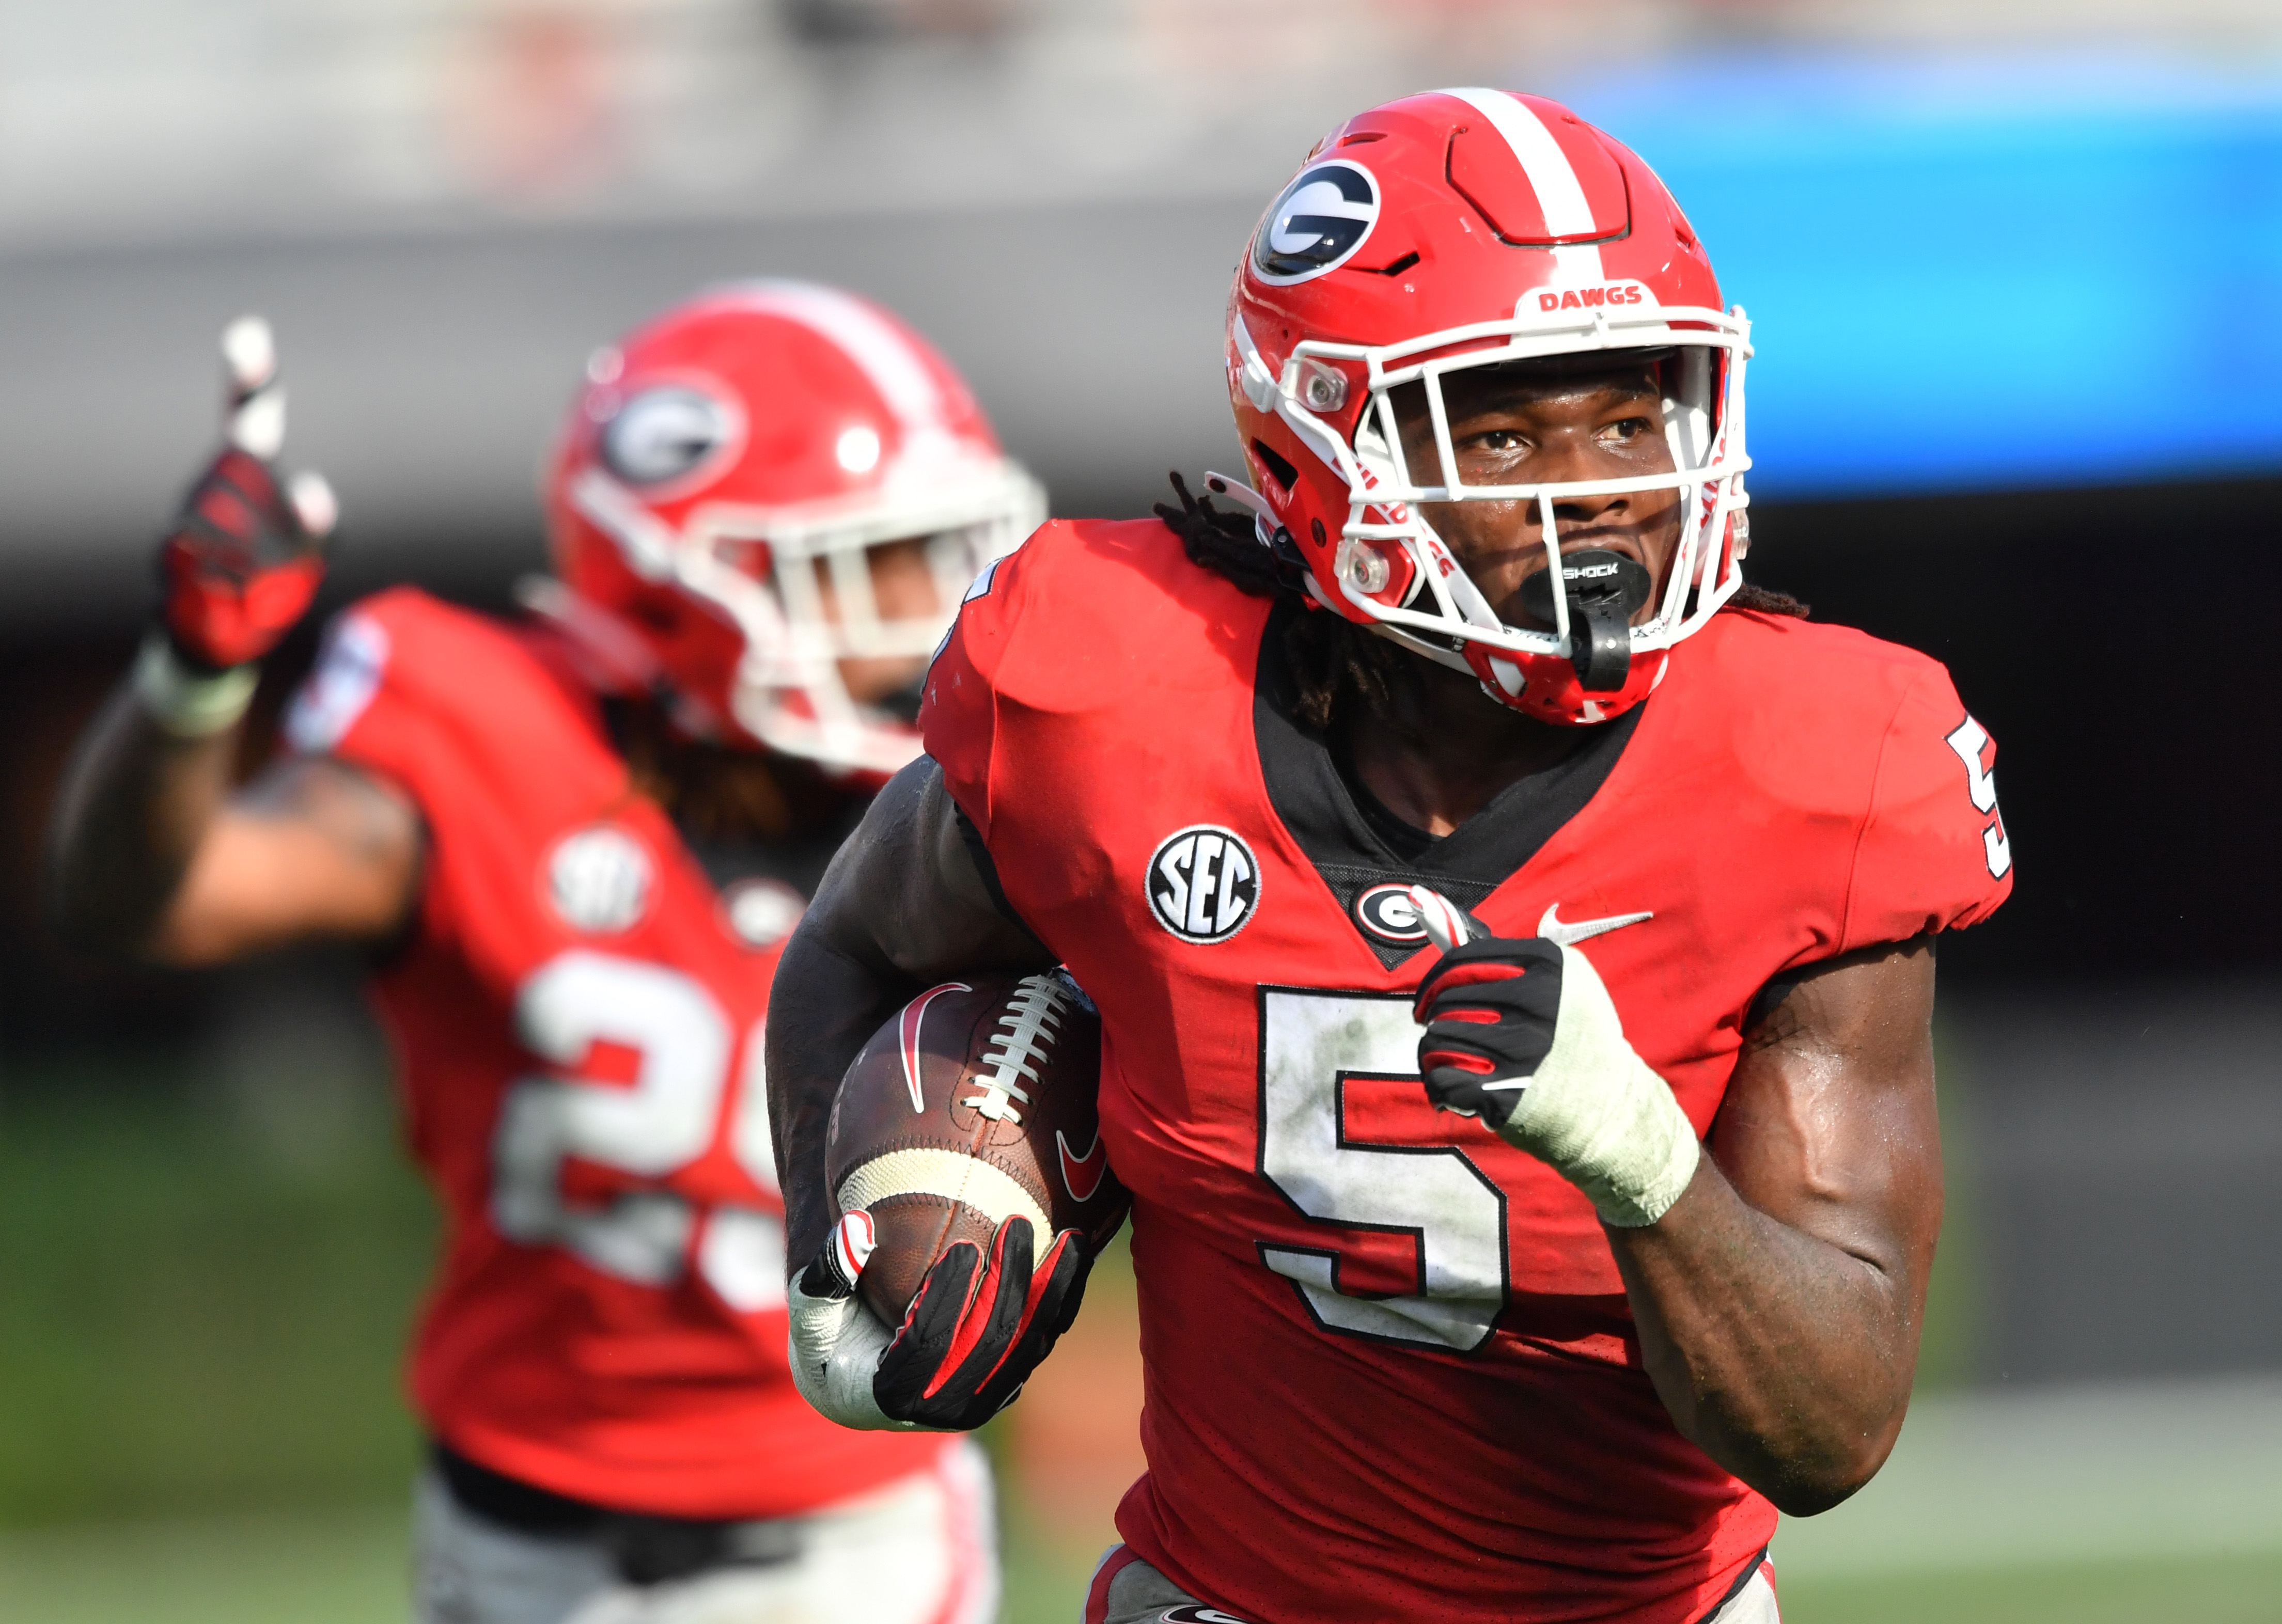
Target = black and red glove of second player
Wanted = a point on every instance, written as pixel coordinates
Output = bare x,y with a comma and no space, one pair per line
243,558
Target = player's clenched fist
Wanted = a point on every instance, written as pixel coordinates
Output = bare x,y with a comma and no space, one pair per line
977,1328
1521,1033
243,559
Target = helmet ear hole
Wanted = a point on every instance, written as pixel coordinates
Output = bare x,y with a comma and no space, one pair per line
1276,467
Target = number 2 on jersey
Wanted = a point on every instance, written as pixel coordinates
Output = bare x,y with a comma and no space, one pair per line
652,1130
1313,1044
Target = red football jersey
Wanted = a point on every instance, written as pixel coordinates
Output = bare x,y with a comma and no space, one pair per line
1390,1368
577,1016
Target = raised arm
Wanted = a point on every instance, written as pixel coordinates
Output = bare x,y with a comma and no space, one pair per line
905,903
152,857
149,854
1779,1300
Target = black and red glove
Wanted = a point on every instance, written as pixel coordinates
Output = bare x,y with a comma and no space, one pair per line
977,1327
1489,1005
1521,1032
244,557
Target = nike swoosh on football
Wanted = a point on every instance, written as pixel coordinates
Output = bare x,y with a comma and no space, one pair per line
908,1033
1569,935
1092,1164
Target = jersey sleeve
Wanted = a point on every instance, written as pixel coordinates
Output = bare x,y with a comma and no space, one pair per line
370,700
458,712
1933,853
959,715
340,689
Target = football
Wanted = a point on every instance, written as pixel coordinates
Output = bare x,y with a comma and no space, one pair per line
976,1102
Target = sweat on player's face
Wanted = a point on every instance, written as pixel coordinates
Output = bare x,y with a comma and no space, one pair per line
1541,424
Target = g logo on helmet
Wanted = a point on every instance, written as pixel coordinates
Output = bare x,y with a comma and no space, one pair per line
1203,883
1316,225
669,436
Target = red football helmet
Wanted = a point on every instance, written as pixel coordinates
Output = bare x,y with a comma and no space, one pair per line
1465,229
718,493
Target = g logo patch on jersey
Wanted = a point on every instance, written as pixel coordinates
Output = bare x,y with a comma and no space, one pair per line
1388,913
1318,224
1203,883
600,880
1198,1614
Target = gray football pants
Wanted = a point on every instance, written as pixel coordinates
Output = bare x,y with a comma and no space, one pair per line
922,1550
1141,1595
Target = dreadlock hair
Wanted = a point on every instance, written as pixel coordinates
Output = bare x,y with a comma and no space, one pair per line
718,792
1333,660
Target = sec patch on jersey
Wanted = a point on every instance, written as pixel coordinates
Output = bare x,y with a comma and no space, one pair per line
977,1103
1203,883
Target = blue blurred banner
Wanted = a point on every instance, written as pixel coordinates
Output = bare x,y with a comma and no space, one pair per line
1993,274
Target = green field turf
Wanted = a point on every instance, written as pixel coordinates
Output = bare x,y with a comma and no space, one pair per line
199,1314
348,1568
340,1567
2223,1589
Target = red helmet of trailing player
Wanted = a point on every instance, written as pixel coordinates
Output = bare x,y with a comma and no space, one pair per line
1470,228
716,495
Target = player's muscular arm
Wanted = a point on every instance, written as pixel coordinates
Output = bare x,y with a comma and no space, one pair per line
151,854
903,905
1779,1300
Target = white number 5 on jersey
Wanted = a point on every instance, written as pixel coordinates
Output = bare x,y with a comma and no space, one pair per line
1311,1043
1969,740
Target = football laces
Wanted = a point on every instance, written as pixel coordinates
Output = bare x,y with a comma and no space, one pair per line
1018,1049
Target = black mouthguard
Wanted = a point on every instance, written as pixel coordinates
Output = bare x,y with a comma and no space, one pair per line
1604,589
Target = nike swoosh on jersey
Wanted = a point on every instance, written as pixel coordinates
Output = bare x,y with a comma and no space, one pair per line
1091,1166
908,1033
1552,928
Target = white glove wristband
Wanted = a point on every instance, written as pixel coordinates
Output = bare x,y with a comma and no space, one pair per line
1598,1116
836,1342
186,703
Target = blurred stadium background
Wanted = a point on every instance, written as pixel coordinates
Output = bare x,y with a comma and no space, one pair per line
2017,272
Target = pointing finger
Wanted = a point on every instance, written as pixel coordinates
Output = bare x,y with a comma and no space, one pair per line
256,408
250,352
